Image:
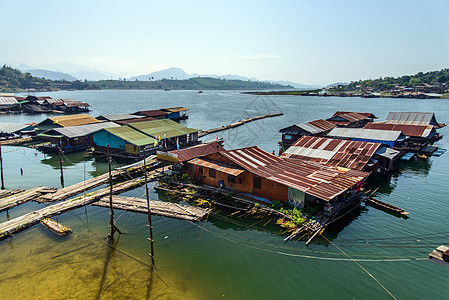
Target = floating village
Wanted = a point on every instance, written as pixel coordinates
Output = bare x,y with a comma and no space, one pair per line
316,178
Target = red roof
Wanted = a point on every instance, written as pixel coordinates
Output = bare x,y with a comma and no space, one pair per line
312,178
333,152
127,121
408,130
368,115
197,151
152,113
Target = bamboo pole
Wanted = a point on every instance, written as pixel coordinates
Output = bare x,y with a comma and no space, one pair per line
150,224
1,167
60,165
111,213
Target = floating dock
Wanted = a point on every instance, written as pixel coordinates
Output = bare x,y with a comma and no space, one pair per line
236,124
440,256
18,197
158,208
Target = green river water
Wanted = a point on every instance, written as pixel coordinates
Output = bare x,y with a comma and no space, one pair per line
372,255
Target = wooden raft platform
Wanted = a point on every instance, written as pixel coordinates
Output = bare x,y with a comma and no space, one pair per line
89,184
440,256
17,224
21,197
236,124
158,208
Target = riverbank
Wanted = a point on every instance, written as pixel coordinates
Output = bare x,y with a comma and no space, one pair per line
319,93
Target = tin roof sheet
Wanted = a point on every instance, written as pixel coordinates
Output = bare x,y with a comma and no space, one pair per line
165,127
8,100
333,152
134,120
368,115
363,133
197,151
350,116
13,128
412,118
131,135
80,130
407,129
175,109
74,120
312,178
219,166
118,117
152,113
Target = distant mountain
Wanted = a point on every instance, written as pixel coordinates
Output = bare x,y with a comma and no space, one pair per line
171,73
52,75
177,73
78,71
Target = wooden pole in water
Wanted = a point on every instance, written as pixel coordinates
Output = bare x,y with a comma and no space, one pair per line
111,213
150,224
60,166
1,167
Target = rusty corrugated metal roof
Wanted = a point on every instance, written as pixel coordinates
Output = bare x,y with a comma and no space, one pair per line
152,113
407,129
412,118
175,109
216,165
368,115
134,120
333,152
312,178
197,151
74,120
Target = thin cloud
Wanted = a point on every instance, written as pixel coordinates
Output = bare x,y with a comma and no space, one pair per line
260,56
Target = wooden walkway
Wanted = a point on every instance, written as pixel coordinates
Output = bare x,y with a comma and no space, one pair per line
17,224
89,184
18,197
236,124
158,208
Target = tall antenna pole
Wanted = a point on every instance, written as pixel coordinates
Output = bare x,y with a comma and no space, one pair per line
111,213
150,224
1,167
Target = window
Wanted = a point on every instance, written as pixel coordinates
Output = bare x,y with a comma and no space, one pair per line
231,178
288,137
200,169
212,173
257,182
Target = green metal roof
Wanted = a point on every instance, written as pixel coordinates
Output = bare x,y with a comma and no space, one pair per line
131,135
44,135
160,127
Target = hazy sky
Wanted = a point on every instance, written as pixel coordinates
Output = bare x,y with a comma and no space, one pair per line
311,42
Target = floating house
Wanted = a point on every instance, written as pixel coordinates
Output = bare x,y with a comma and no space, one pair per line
118,117
73,138
123,141
148,136
8,131
8,102
65,121
155,113
418,136
253,171
169,133
358,155
176,113
294,132
413,118
351,119
387,137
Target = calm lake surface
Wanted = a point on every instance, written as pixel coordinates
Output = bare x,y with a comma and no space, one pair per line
233,257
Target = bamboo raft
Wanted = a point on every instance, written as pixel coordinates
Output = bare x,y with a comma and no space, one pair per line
89,184
236,124
55,226
17,224
18,197
16,141
158,208
6,193
312,226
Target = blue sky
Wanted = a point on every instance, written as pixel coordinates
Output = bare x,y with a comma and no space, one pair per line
312,42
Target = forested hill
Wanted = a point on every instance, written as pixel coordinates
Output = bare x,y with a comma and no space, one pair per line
386,83
196,83
13,80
